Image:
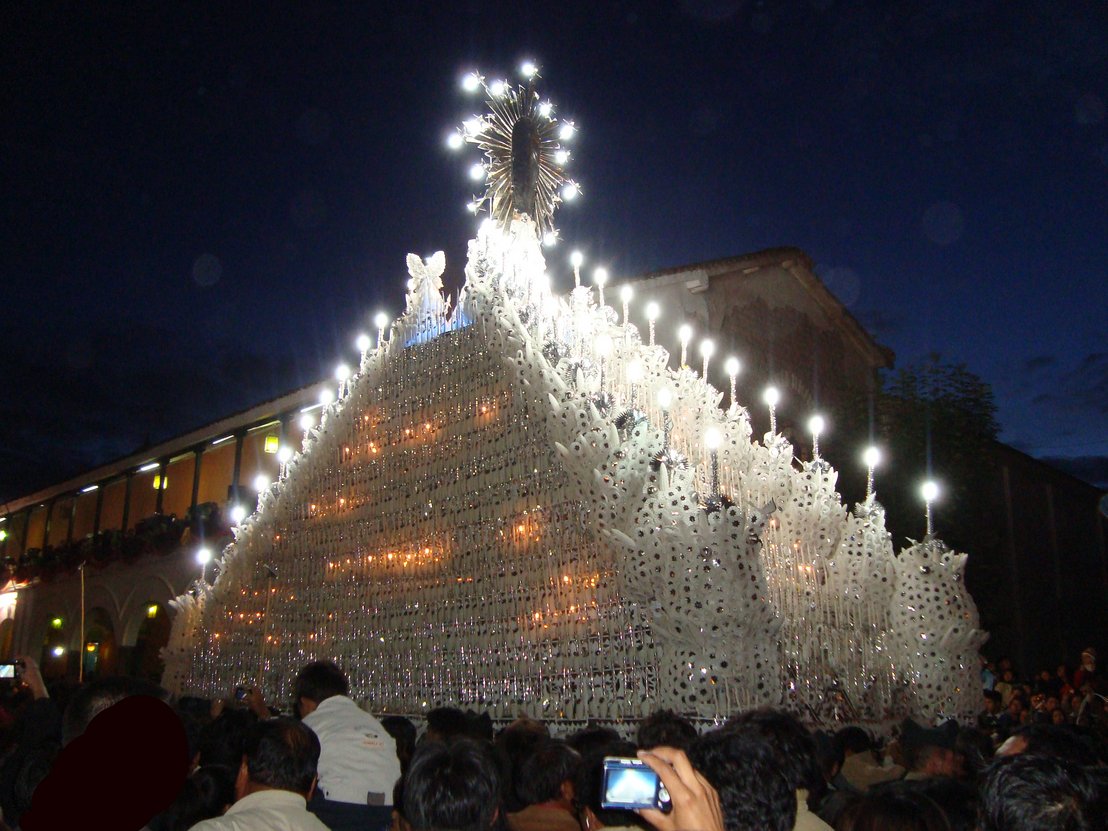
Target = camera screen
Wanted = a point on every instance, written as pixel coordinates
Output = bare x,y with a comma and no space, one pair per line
7,670
631,786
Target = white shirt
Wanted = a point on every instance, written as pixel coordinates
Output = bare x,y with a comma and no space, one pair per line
357,755
265,811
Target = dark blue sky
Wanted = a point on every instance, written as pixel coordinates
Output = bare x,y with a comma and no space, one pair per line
202,208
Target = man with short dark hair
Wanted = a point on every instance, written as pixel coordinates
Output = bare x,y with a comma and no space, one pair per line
665,728
455,786
742,765
545,787
1039,793
796,758
275,780
358,765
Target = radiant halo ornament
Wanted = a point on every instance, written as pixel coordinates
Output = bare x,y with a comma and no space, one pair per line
525,160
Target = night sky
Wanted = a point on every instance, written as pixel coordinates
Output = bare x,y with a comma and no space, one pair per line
202,208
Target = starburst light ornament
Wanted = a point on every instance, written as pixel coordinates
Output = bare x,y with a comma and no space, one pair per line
522,141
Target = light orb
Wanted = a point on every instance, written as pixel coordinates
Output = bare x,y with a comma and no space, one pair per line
261,482
771,396
816,425
871,457
363,342
652,311
713,438
929,490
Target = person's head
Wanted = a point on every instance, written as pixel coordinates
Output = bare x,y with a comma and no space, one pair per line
1015,706
1088,658
97,696
1039,793
588,789
587,740
893,807
790,740
403,732
280,754
1047,740
853,740
930,751
512,746
207,793
665,728
743,766
452,787
1057,717
547,774
222,741
317,682
445,724
975,749
993,701
1008,676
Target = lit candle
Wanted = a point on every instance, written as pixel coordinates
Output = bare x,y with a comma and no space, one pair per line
872,458
707,349
930,492
684,332
203,557
600,277
652,311
575,259
816,426
732,366
771,396
665,400
381,320
625,298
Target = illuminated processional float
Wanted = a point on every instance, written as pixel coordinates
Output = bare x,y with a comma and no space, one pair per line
516,505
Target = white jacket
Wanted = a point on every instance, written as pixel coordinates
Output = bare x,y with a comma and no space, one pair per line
357,760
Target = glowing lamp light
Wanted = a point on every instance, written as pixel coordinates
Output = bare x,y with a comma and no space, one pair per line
626,293
528,69
363,342
160,482
477,172
713,438
929,491
307,422
91,647
600,279
665,398
546,109
261,482
473,125
272,443
203,556
498,88
684,333
571,191
707,348
568,131
771,396
342,372
634,371
326,397
732,366
473,206
471,81
816,425
576,258
561,157
57,623
238,514
550,239
3,535
455,141
284,455
652,311
152,611
57,651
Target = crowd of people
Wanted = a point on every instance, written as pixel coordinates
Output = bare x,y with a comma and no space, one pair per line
120,753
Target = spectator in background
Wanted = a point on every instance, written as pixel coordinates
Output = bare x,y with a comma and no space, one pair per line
860,767
665,728
358,765
587,741
545,786
1086,673
445,724
514,744
895,806
275,781
796,757
455,787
